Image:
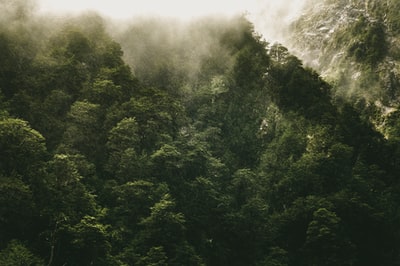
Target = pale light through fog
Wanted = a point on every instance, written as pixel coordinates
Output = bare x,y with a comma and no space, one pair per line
128,8
270,17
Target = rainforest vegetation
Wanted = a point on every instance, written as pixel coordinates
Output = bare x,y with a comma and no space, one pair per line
200,144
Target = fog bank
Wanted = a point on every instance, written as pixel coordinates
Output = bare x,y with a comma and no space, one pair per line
270,17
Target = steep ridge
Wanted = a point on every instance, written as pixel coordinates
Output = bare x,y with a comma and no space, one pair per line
355,45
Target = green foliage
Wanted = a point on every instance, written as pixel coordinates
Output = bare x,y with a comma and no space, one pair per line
276,257
224,151
370,45
17,209
158,116
154,257
17,254
104,92
164,225
22,148
324,241
123,146
131,202
295,88
82,127
90,242
355,44
393,126
393,16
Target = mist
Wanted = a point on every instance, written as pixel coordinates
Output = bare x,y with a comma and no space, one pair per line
188,135
273,18
166,29
270,17
156,36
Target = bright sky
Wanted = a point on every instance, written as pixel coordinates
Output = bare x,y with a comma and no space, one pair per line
175,8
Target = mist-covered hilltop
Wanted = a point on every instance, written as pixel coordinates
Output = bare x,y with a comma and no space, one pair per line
355,45
198,143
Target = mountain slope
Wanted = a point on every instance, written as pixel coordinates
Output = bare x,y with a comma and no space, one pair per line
212,148
355,44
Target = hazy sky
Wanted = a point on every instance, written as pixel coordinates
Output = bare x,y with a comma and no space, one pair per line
129,8
268,15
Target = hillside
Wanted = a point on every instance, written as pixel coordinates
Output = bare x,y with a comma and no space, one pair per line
356,46
170,143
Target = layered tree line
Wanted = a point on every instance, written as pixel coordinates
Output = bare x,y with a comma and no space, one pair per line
212,148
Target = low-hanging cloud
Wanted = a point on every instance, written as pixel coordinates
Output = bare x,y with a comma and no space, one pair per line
271,17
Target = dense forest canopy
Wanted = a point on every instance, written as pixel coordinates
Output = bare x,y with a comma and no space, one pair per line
187,144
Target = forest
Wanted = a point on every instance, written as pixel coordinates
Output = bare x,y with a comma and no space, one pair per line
188,144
